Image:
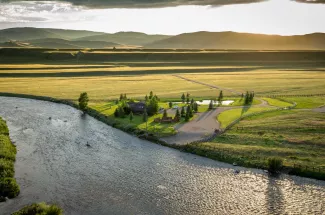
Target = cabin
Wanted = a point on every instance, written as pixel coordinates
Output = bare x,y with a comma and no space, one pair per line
137,107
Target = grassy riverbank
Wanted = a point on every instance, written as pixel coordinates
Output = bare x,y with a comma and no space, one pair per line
40,209
8,185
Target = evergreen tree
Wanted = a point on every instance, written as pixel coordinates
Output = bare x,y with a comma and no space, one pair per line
183,98
165,115
83,101
187,98
146,98
189,111
152,106
242,95
211,105
121,112
170,104
145,116
220,98
183,112
121,97
187,117
192,101
150,95
195,107
177,115
131,116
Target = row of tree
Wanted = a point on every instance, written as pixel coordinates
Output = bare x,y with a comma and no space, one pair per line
249,97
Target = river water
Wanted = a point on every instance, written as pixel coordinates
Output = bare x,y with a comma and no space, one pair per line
121,174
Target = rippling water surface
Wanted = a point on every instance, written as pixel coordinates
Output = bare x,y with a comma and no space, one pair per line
120,174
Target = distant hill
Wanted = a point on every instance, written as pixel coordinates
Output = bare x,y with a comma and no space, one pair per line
233,40
68,44
127,38
22,34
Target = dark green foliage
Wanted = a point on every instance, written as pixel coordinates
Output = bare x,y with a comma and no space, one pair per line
152,106
249,97
183,112
9,187
83,101
170,104
211,105
165,115
192,102
131,116
187,98
189,111
187,117
145,116
274,164
195,107
146,98
183,98
151,95
220,98
177,115
40,209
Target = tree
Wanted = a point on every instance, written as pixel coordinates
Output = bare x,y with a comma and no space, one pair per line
152,106
150,95
220,98
192,101
187,98
195,107
187,117
131,116
183,98
165,115
177,115
121,112
189,111
83,101
146,98
183,112
121,97
211,105
170,104
242,95
145,115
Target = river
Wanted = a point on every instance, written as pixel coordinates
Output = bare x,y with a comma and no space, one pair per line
121,174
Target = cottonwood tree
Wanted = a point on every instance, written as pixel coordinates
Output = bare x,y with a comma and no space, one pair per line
83,101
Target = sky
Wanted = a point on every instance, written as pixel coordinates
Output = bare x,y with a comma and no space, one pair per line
283,17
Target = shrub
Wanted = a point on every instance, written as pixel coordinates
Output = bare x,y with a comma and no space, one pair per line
274,164
9,187
40,209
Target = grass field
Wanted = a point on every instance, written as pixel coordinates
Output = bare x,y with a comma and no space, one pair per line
307,102
277,102
227,117
293,135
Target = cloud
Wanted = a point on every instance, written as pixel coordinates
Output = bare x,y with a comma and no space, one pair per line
38,11
146,3
311,1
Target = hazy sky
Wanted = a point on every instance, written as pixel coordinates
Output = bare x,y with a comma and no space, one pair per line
285,17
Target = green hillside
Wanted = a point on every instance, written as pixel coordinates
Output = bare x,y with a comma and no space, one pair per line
127,38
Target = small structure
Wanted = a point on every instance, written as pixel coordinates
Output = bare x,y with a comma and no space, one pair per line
137,107
166,120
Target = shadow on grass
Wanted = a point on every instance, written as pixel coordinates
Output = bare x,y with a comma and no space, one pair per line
245,109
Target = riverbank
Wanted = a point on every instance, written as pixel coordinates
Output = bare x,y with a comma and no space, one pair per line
8,185
197,149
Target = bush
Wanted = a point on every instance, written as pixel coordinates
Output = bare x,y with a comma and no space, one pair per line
9,187
40,209
274,164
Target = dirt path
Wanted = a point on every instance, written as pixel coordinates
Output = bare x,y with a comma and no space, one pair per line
203,125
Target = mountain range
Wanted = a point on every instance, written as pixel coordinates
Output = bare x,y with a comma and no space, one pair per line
76,39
